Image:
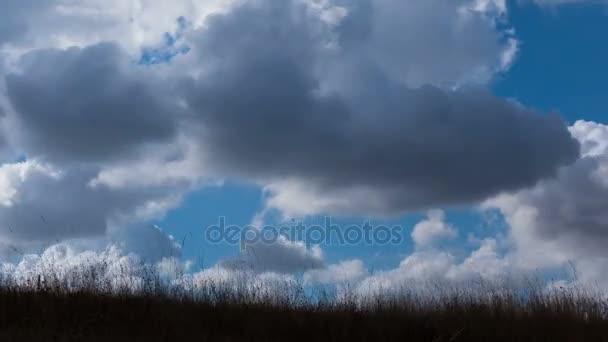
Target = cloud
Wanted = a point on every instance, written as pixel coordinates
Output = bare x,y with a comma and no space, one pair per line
55,206
17,15
133,24
178,164
12,176
344,272
148,242
80,117
43,205
443,43
556,226
88,104
368,144
435,229
282,256
564,220
568,2
426,269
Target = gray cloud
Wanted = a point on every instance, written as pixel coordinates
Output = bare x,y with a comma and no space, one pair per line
17,15
268,113
59,206
564,220
41,206
427,42
147,241
282,256
88,104
77,113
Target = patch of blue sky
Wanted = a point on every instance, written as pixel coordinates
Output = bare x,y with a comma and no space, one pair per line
237,202
561,63
172,46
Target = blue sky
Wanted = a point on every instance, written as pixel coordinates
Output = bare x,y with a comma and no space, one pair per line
560,64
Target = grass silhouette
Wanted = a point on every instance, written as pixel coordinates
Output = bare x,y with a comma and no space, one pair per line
83,305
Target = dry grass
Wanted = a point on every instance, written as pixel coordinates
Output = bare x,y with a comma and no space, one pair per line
82,307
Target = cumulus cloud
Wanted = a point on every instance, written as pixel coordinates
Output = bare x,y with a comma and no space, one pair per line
489,261
345,272
435,267
81,116
432,230
133,24
556,226
564,219
367,144
437,42
43,205
281,256
56,205
88,104
12,176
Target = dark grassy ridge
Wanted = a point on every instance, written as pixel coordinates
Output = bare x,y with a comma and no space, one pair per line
86,316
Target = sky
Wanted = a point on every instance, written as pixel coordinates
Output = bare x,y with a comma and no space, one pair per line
471,133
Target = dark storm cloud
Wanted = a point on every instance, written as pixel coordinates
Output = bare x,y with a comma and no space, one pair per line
88,104
266,115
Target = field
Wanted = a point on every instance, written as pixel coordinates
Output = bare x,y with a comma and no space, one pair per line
43,311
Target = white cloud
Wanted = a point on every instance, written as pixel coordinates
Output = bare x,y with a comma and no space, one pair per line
296,198
12,176
499,6
563,219
178,163
131,23
431,269
444,43
485,262
344,272
432,230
